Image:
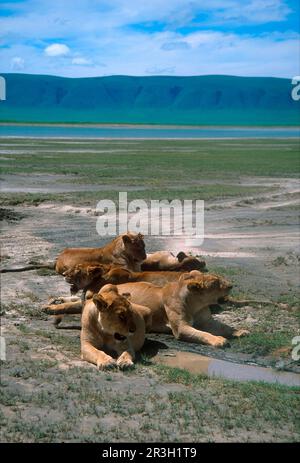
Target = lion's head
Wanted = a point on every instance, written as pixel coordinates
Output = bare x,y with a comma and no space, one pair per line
134,246
81,276
206,288
117,317
189,263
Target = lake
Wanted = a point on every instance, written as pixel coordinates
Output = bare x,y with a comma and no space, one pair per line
134,132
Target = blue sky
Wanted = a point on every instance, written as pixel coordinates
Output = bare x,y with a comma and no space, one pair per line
82,38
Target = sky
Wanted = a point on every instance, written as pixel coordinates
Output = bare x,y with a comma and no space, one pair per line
83,38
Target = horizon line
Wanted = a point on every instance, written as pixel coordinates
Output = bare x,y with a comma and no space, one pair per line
145,76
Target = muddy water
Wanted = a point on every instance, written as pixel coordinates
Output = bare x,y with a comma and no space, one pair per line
195,363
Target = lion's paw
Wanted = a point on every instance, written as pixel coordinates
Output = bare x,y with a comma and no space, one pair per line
56,300
106,364
219,341
240,333
124,363
48,309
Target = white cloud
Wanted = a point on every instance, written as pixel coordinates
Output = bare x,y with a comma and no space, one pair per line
17,63
255,12
81,61
136,38
57,49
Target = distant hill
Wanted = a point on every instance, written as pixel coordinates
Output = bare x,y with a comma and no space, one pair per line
203,100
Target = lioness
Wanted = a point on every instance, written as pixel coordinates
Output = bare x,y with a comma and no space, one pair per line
127,250
91,278
111,322
183,306
165,260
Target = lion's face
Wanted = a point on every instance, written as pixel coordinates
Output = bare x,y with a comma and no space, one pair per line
82,276
135,246
117,316
208,288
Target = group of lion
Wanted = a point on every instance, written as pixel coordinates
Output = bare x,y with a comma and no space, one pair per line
126,293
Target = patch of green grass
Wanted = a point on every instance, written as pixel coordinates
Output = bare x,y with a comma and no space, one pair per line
86,198
185,169
181,376
69,342
236,404
192,159
292,299
227,271
32,368
261,343
178,375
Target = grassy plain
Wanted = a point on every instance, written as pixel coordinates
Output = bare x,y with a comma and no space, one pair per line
49,191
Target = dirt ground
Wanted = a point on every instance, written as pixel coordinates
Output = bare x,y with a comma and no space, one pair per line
49,394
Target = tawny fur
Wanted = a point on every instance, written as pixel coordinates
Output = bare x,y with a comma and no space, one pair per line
110,323
165,260
127,250
182,307
91,278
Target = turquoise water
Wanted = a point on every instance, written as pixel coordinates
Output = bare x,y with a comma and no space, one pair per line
133,132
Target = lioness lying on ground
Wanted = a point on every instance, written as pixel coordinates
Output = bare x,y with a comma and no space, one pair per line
111,322
127,250
181,307
91,278
165,260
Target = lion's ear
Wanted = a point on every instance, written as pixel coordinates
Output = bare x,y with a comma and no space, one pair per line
140,236
195,286
185,276
126,239
181,255
109,288
127,295
196,274
100,303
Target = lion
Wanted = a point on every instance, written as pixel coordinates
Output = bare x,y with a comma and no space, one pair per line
91,278
182,307
111,323
165,260
127,250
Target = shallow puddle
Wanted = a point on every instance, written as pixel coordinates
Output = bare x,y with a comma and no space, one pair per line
196,363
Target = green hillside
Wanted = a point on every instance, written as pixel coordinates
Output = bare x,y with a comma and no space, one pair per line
203,100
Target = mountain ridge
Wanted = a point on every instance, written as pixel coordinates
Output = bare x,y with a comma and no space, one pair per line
180,100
